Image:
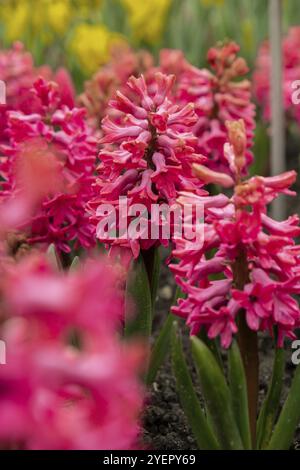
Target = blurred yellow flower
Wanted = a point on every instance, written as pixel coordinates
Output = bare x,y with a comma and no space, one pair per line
87,8
248,35
91,45
45,18
59,15
212,3
147,18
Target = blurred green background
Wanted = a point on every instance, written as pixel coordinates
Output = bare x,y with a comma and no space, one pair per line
79,33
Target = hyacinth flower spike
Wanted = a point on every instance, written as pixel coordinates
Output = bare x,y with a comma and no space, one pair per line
147,153
240,282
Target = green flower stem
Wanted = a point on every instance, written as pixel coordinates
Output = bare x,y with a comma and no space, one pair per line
248,344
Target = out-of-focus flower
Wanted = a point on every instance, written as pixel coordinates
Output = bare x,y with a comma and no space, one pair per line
86,8
218,95
54,129
291,73
45,17
92,44
56,395
256,260
147,155
147,19
36,173
18,72
212,3
110,78
58,14
248,35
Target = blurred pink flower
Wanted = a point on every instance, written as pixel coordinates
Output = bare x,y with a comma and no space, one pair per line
57,130
18,72
219,95
56,395
291,74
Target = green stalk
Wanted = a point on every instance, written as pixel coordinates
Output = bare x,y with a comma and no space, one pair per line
152,262
162,343
248,344
138,305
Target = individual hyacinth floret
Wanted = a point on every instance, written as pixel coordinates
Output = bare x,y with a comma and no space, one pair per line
148,152
248,264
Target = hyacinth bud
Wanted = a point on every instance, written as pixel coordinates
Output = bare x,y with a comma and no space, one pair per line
238,139
209,176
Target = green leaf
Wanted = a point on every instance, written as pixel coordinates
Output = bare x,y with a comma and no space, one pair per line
217,396
188,398
155,272
160,349
162,343
212,345
238,389
270,406
138,305
75,263
53,257
289,418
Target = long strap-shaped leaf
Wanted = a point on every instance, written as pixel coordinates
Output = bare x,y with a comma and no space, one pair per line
138,298
217,396
162,343
188,398
160,349
53,257
270,406
238,389
289,418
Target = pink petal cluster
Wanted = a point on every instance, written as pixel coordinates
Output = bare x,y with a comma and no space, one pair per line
69,383
248,262
61,133
219,95
18,73
291,74
147,153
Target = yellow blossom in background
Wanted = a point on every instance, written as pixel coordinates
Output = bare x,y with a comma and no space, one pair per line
15,18
91,45
59,15
212,3
147,18
248,36
42,18
87,8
